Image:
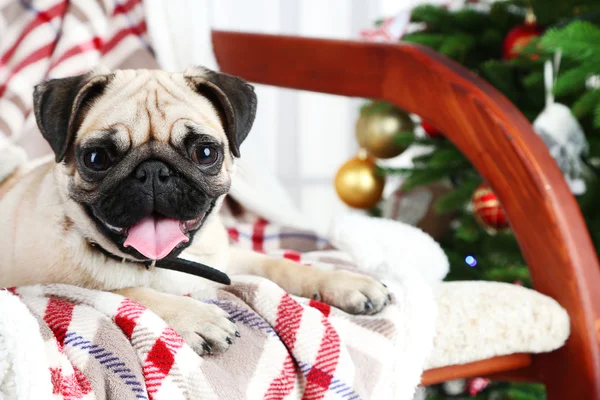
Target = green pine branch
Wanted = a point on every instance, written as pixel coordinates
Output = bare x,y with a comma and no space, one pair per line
433,40
406,139
557,11
458,198
579,40
421,177
572,81
579,43
589,102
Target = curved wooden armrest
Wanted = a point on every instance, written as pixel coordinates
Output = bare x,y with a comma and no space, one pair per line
489,367
495,137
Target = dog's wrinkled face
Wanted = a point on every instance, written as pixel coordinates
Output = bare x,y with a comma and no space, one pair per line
148,154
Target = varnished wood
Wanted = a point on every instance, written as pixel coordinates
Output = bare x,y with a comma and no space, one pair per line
479,368
495,137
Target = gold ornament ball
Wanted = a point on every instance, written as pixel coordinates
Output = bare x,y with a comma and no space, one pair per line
375,131
358,184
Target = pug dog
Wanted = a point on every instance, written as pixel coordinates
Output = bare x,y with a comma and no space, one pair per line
142,162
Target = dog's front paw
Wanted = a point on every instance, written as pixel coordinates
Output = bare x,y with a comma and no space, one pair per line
206,328
352,292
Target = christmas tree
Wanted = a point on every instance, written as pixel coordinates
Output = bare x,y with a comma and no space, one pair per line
481,42
507,44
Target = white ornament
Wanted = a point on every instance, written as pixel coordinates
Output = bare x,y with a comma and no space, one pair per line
561,132
592,82
455,387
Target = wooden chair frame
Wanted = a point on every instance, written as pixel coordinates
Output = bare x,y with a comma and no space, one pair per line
499,142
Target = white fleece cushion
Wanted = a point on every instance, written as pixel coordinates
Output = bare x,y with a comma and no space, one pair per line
22,352
479,320
389,248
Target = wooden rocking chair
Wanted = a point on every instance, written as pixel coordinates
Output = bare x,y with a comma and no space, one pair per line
499,142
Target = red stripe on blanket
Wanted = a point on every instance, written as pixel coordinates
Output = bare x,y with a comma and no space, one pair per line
258,235
160,359
324,308
281,386
127,315
12,290
124,8
137,30
320,376
234,234
93,44
41,18
97,44
71,387
56,379
58,316
292,255
289,315
46,50
83,383
37,55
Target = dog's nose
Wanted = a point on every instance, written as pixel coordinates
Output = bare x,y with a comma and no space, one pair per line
154,170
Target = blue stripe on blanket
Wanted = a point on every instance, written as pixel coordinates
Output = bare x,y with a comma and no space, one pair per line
342,389
105,357
28,5
337,386
246,317
131,25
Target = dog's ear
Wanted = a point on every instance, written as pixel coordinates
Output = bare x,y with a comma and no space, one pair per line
60,106
233,98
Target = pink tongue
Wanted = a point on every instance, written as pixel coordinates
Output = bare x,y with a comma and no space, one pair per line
155,237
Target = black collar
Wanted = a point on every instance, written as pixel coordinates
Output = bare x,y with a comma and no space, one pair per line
175,264
108,254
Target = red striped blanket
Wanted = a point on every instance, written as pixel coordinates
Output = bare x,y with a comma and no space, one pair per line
42,39
101,345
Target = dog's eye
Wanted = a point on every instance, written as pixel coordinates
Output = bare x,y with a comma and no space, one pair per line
205,155
97,160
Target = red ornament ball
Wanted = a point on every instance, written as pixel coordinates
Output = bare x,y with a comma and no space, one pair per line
488,210
477,385
431,131
519,37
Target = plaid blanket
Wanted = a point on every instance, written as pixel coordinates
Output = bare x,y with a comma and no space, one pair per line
64,342
101,345
42,39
